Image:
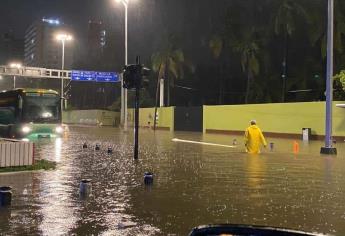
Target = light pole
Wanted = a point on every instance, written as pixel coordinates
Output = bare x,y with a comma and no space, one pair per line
63,38
328,149
123,90
16,66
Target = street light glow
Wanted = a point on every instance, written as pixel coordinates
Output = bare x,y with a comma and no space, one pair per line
64,37
16,65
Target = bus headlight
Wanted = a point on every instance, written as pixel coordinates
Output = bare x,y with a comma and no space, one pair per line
59,129
26,129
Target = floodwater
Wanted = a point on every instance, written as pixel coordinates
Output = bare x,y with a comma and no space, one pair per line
194,184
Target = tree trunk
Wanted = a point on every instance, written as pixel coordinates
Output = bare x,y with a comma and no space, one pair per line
156,104
284,74
248,87
167,78
220,99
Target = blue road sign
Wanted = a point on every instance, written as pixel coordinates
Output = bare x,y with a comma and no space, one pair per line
93,76
107,77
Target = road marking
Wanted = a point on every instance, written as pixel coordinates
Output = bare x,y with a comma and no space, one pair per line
202,143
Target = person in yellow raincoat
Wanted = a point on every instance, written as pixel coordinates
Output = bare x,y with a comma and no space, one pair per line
253,138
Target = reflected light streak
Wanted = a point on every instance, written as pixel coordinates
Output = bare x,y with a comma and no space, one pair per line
202,143
58,147
256,171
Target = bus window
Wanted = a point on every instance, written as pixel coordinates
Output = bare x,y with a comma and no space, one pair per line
7,115
20,103
41,109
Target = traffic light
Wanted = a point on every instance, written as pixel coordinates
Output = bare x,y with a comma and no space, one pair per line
134,76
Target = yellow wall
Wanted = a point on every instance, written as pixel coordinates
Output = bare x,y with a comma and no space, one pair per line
287,118
165,117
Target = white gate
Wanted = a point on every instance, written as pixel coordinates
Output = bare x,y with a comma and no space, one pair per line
16,153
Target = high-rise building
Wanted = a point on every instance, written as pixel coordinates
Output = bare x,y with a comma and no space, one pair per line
42,49
96,40
11,48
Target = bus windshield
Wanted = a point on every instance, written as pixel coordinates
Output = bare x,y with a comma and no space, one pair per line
44,108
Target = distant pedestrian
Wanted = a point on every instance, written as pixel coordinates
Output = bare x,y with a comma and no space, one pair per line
253,138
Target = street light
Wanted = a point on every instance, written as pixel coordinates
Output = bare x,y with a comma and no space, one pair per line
123,90
63,38
15,65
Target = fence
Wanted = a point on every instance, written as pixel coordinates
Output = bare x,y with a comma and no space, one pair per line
16,153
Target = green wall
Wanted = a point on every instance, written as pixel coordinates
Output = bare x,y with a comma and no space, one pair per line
165,117
287,118
91,117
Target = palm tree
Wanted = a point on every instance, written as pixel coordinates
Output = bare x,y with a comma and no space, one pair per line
285,22
168,63
248,48
216,45
319,33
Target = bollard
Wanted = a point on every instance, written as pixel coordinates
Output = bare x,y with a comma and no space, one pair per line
271,146
85,187
98,147
295,147
84,145
5,196
234,142
148,178
110,150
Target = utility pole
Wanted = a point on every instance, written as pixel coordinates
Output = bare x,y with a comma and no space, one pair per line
328,149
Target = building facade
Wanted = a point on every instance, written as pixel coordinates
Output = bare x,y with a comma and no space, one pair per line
11,49
41,47
96,40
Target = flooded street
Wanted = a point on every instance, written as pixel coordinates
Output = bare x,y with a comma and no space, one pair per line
193,185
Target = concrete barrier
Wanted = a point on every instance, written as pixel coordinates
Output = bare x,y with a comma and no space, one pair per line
16,153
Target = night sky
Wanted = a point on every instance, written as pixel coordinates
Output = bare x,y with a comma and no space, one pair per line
17,15
149,20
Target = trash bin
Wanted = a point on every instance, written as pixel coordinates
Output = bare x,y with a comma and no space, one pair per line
306,134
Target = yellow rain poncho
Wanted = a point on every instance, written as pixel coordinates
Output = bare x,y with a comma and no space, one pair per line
253,138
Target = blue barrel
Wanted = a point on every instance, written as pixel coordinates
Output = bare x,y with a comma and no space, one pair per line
110,150
148,178
271,146
85,187
98,147
5,196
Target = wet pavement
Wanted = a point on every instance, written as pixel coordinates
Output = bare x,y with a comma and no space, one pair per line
194,184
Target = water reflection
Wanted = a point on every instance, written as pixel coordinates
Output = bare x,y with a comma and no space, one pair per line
255,171
58,146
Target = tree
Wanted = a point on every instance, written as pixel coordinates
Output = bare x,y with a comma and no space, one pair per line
168,64
217,47
339,86
285,23
248,48
319,33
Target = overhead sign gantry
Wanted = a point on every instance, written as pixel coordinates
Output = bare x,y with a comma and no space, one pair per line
74,75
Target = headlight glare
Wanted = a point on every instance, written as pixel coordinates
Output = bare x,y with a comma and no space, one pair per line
59,129
26,129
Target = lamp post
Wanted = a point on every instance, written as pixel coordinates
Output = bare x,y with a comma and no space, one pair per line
63,38
123,90
16,66
328,149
